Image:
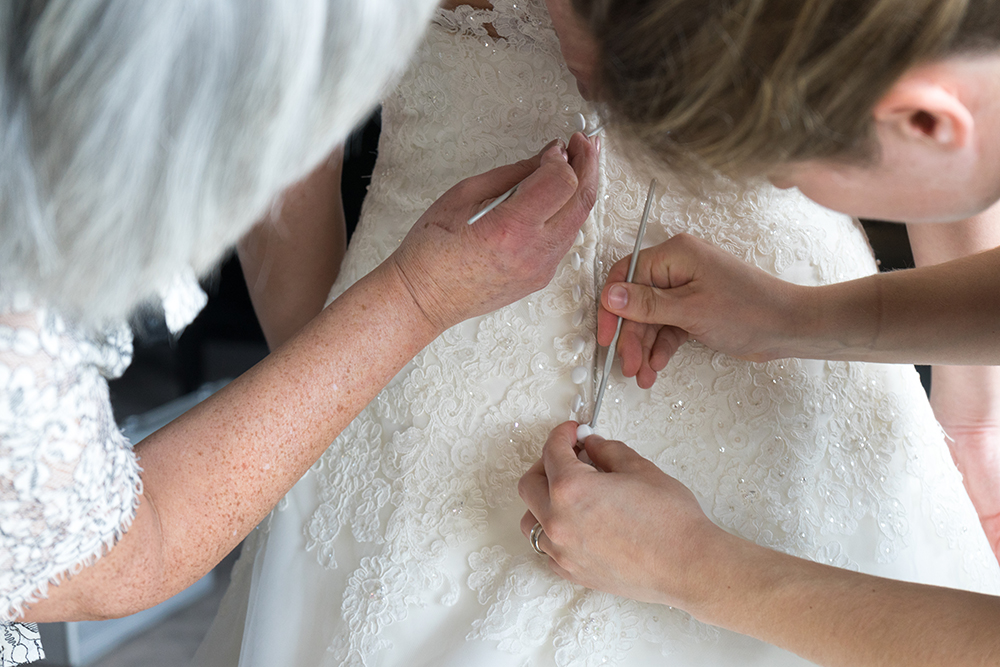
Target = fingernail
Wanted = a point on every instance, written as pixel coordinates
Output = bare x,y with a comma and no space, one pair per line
555,146
617,297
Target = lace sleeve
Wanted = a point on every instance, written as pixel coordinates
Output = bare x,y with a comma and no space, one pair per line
69,482
19,644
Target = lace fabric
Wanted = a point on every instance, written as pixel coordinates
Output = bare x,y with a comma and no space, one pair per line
401,546
69,481
19,644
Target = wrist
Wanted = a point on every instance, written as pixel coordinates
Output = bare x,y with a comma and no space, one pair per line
702,588
730,581
394,287
838,321
801,326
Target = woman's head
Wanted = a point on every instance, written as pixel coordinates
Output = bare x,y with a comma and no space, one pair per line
746,85
137,138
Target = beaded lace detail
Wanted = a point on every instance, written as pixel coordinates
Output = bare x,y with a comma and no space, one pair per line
830,461
69,482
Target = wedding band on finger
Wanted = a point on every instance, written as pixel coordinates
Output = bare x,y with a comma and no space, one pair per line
536,532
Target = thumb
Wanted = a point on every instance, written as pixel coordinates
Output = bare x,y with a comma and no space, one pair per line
612,455
545,182
559,453
544,192
642,303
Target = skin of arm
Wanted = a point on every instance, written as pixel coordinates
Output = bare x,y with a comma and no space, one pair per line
688,289
291,259
627,528
966,399
210,476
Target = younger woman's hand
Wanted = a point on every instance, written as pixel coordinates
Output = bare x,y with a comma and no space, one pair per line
966,401
687,289
622,525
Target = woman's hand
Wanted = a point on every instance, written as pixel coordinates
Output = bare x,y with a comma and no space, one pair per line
966,400
977,455
623,526
685,289
454,270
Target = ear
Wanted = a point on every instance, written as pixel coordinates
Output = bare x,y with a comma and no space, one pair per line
918,109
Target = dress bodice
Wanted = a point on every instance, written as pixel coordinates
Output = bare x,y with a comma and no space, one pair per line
415,505
468,103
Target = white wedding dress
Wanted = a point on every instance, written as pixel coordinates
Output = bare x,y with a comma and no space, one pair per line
401,546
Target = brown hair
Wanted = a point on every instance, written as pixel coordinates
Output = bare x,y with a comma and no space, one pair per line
745,84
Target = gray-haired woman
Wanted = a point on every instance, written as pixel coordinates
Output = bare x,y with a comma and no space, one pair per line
138,141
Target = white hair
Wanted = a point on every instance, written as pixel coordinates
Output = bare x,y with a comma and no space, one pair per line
142,137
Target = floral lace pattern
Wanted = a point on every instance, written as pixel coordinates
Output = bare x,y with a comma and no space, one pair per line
838,462
19,644
69,482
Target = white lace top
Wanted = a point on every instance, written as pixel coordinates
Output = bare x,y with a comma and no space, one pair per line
69,482
402,547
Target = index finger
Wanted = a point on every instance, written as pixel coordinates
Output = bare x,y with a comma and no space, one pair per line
498,180
583,154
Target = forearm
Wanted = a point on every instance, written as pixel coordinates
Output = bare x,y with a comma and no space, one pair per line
291,262
946,315
213,474
836,617
943,314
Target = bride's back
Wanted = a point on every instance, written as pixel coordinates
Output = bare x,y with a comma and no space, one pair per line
416,502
